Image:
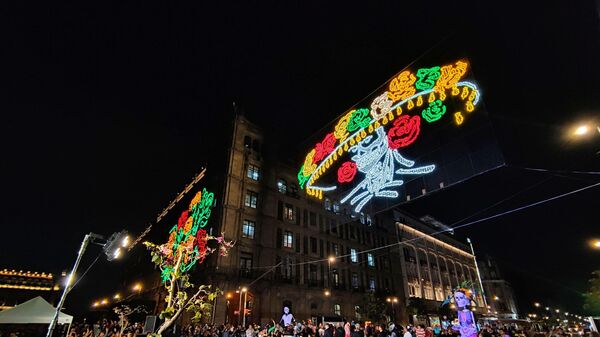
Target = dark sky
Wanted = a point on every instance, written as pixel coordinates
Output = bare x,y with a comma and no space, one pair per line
108,109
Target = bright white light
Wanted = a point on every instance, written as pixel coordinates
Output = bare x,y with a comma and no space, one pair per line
125,241
68,280
581,130
117,253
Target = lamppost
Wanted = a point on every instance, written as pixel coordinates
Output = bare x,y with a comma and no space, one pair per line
245,291
478,273
393,300
582,130
113,250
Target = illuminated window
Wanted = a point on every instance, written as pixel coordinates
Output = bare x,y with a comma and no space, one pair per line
337,309
251,199
248,229
355,283
371,283
353,255
336,207
357,313
370,260
428,292
412,290
439,294
335,278
288,239
282,186
327,204
288,212
253,172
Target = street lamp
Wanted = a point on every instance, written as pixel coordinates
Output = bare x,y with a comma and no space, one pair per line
245,291
137,287
111,247
327,293
536,304
595,244
392,300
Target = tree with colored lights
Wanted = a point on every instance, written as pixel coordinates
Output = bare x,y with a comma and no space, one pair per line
592,296
187,246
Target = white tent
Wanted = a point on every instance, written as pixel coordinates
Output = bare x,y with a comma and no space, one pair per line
34,311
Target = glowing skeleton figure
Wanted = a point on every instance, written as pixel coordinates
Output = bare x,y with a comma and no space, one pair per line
377,161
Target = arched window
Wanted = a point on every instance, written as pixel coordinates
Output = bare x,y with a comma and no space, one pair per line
281,186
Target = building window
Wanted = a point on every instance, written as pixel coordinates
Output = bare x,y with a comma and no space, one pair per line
245,264
247,142
336,207
337,309
385,263
313,245
336,249
357,313
353,255
251,199
288,239
335,277
282,186
428,292
372,283
253,172
313,274
313,219
439,294
288,212
412,290
248,229
293,189
327,204
370,260
355,283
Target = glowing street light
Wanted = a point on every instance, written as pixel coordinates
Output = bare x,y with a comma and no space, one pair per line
327,293
104,302
117,296
536,304
581,130
137,287
96,304
595,244
557,311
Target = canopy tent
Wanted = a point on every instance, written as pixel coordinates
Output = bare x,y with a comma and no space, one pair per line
34,311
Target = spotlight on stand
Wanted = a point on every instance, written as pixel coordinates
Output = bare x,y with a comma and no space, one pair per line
113,248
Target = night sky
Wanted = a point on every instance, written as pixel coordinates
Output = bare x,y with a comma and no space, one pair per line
108,109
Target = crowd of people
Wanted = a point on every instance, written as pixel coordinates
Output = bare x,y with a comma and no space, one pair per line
107,328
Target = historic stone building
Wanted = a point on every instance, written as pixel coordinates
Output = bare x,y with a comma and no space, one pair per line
499,293
315,256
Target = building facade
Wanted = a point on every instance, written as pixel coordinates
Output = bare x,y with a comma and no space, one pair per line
18,286
500,294
316,257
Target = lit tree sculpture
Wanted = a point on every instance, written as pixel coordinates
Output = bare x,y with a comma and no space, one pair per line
186,247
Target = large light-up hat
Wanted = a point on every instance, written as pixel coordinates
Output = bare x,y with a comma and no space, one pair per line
364,142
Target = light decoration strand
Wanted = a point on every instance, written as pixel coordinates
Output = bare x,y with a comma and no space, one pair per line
359,129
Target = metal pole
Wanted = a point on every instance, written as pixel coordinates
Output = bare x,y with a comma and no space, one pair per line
478,274
245,299
59,306
240,309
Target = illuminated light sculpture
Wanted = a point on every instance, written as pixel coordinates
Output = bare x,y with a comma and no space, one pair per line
381,106
187,240
458,118
462,301
427,78
360,119
434,111
363,147
377,161
401,87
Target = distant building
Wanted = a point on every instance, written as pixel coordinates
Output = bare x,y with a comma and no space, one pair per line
499,293
284,240
18,286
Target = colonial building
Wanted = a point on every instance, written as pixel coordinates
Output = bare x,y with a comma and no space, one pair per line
499,293
18,286
316,256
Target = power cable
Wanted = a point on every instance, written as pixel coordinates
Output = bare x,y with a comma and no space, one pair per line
85,272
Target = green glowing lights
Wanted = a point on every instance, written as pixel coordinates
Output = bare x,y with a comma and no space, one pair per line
434,111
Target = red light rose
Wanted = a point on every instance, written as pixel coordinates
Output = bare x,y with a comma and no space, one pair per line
324,148
404,132
182,220
346,172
